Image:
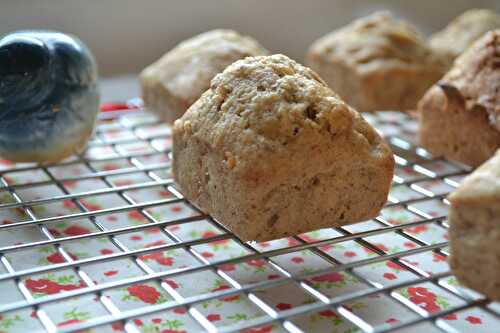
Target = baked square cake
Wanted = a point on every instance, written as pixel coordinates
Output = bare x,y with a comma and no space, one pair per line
460,115
463,31
175,81
475,229
270,151
377,63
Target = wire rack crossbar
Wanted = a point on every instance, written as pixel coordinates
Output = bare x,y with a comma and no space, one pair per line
267,254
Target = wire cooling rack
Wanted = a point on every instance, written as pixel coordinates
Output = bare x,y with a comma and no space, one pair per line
104,242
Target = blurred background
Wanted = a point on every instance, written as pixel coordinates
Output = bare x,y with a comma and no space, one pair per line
127,35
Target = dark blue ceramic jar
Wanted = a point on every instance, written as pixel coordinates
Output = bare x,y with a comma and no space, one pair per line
48,96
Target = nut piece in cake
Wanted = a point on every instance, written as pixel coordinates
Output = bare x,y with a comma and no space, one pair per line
463,31
475,229
377,63
460,115
271,151
175,81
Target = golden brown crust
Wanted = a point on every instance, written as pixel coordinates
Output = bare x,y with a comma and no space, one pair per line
271,151
475,229
376,63
460,115
463,31
175,81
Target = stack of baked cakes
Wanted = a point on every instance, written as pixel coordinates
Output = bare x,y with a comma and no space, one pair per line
271,148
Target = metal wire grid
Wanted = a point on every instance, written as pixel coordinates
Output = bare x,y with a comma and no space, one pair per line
407,155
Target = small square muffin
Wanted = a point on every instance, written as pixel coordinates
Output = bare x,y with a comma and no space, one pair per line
175,81
270,151
463,31
475,229
377,63
460,115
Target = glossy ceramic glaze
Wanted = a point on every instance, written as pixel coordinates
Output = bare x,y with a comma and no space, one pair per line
48,95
